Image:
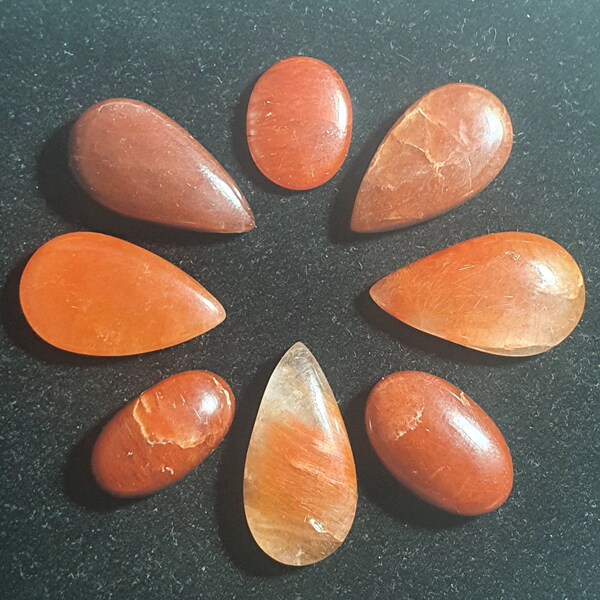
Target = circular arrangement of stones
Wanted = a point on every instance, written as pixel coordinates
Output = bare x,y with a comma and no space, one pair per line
510,294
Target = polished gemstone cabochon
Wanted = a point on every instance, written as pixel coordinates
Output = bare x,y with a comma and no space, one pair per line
441,445
442,151
135,160
95,294
510,293
163,434
299,123
300,488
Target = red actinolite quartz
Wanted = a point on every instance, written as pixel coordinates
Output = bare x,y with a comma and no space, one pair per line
444,149
135,160
512,293
94,294
299,123
163,434
299,481
441,445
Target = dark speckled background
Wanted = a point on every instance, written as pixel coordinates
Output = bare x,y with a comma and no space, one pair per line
299,276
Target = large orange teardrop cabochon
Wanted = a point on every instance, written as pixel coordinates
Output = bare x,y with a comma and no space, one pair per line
94,294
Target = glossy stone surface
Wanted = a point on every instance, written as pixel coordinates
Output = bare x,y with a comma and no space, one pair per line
300,489
163,434
94,294
135,160
437,442
442,151
511,293
299,123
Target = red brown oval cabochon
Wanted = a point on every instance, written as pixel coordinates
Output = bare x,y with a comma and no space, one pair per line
441,445
163,434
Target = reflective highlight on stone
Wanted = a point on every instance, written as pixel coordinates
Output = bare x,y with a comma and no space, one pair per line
94,294
162,435
442,151
300,489
437,442
135,160
299,123
514,294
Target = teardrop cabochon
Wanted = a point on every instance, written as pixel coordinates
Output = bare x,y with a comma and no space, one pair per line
441,152
94,294
300,490
136,161
510,293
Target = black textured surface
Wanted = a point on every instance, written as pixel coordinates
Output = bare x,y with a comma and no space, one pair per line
298,276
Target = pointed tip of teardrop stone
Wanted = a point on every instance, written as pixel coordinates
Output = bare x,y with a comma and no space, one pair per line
299,348
133,159
94,294
300,489
442,151
512,294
